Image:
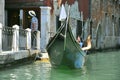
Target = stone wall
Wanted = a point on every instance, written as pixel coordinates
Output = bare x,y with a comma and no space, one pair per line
106,13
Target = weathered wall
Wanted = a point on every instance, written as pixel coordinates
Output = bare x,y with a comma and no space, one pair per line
107,14
74,13
2,11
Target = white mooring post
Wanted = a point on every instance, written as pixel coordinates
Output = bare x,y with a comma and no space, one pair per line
45,27
1,37
38,40
15,43
28,38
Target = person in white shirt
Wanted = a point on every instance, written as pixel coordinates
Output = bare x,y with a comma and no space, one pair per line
87,42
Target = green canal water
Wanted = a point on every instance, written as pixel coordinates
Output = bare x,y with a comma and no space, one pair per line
98,66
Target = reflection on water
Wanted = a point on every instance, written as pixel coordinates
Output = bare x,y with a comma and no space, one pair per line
33,71
104,66
98,66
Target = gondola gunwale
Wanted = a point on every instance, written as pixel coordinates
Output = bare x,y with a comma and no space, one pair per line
71,35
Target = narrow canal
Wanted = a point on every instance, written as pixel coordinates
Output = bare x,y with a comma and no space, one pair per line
98,66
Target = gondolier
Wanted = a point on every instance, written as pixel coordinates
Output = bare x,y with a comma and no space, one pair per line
34,21
34,27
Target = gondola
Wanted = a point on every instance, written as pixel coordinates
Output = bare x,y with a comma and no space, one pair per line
64,50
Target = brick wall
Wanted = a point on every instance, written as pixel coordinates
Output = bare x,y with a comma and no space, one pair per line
83,6
14,1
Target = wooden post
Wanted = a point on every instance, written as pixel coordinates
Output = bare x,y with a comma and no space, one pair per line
1,37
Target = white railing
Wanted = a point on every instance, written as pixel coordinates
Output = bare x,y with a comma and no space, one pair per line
22,39
15,39
7,37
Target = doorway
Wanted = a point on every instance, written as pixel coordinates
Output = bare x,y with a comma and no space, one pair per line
13,17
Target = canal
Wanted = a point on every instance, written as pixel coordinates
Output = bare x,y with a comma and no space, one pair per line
99,66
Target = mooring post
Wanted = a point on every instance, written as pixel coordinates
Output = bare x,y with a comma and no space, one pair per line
1,37
28,38
15,43
38,40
